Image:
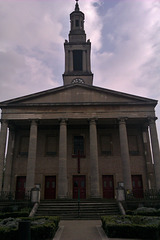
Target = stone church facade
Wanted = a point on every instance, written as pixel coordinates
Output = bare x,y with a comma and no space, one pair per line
79,140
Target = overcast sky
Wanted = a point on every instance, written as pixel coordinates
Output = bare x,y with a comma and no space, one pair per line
125,37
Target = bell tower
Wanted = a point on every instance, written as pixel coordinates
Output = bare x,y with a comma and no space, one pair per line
77,52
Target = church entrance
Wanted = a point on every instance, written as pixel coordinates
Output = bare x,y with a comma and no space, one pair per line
108,186
79,187
50,187
137,186
20,188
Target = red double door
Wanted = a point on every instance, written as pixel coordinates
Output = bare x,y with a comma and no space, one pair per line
20,188
108,186
137,186
79,187
50,187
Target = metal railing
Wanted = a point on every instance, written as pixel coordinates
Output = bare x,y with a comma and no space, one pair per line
151,194
14,195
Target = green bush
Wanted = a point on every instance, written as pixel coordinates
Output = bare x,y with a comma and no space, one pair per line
131,227
41,228
44,231
144,211
8,234
14,214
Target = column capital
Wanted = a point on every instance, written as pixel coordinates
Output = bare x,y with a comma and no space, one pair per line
152,120
93,120
34,121
145,125
63,121
11,127
3,121
122,120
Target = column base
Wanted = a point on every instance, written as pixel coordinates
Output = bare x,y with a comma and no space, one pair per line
62,197
96,197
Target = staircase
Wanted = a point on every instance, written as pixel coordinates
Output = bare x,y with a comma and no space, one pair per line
71,209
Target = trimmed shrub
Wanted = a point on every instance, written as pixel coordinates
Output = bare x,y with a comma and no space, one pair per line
14,214
131,227
8,234
41,228
144,211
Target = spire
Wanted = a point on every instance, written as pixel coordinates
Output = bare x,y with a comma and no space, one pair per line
77,6
77,51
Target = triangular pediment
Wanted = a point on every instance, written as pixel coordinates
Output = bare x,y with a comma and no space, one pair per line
78,94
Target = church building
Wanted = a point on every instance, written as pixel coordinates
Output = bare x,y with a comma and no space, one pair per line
79,140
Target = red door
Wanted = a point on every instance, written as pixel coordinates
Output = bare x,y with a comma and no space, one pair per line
20,188
79,187
108,186
50,187
137,186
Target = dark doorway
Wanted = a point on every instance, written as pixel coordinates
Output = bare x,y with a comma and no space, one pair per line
50,187
137,186
79,187
108,186
20,188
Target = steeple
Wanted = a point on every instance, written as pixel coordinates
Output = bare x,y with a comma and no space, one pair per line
77,6
77,51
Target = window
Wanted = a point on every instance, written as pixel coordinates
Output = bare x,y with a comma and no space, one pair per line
106,145
77,60
51,145
77,23
133,145
78,145
24,145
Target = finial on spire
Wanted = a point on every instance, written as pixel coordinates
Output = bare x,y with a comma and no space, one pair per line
77,6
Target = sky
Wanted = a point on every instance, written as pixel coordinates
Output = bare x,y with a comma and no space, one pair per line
125,37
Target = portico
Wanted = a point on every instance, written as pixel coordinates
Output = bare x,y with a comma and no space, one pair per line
94,165
110,133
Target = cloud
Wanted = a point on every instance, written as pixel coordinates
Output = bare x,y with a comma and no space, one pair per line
31,44
129,58
128,30
125,37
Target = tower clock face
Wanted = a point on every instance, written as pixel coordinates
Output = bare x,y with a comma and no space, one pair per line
78,80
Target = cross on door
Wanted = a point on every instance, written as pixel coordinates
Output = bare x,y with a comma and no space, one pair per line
78,156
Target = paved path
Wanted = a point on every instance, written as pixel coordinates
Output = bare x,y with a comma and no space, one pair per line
81,230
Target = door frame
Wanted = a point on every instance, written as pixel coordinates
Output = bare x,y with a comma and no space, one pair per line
73,193
113,188
138,192
20,195
55,191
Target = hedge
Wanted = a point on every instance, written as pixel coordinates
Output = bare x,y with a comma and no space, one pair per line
131,227
144,211
38,231
14,214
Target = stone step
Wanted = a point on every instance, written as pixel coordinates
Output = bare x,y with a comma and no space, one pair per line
71,210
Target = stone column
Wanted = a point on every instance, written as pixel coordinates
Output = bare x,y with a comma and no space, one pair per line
3,138
148,158
94,170
62,175
30,179
9,159
155,150
126,170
